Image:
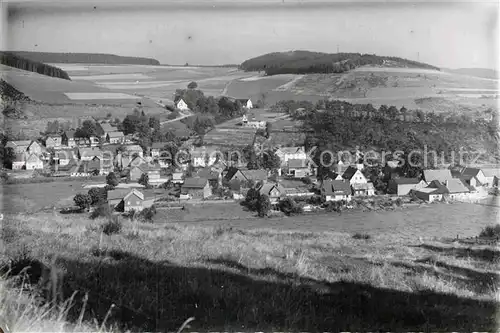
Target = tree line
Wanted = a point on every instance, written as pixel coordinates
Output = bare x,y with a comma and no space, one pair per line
85,58
13,60
305,62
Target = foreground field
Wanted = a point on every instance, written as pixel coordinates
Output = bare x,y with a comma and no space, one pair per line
230,279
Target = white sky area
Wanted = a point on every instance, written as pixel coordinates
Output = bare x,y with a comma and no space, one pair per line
446,34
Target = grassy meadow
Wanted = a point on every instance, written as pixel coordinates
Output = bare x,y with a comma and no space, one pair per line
155,276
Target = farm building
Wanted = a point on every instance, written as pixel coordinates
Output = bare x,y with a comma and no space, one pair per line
336,190
156,148
403,186
439,175
429,194
105,129
126,200
53,140
115,137
457,189
196,188
18,146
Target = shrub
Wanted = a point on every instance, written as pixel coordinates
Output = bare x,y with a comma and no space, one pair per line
263,205
315,200
102,210
148,213
307,180
361,236
113,226
290,207
490,231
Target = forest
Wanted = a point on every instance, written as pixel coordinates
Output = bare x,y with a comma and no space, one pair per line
14,60
341,125
305,62
85,58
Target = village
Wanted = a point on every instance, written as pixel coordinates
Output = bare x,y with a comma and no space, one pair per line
205,174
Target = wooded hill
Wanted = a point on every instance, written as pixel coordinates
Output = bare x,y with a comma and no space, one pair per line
15,60
85,58
305,62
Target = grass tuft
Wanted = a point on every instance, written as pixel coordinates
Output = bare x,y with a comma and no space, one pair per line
361,236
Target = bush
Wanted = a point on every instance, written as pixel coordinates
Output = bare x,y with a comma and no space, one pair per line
361,236
113,226
490,231
307,180
102,210
290,207
315,200
147,214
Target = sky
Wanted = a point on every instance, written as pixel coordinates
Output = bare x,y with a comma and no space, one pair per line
450,34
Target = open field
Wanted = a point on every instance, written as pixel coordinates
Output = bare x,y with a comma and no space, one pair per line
21,198
229,279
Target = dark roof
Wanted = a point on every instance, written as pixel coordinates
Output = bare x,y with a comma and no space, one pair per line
349,172
330,175
196,182
441,189
406,181
336,186
158,145
470,172
231,172
255,174
441,175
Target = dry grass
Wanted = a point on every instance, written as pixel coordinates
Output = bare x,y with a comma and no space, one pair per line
232,279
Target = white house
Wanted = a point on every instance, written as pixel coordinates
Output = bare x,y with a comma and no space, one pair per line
245,102
181,105
354,176
33,162
336,190
201,155
291,153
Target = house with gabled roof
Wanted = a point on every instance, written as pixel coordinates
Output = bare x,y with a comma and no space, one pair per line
245,102
53,140
440,175
181,105
457,189
196,188
214,177
105,129
115,137
354,176
242,175
33,162
336,190
19,146
433,192
156,148
273,191
288,153
298,168
363,189
201,155
403,186
136,171
126,200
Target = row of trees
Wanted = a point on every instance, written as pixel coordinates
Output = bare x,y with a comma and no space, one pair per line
13,60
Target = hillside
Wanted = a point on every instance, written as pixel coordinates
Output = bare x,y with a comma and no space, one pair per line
478,72
87,58
305,62
28,64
